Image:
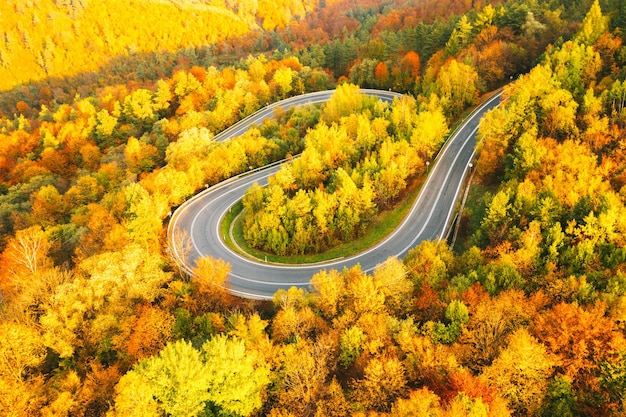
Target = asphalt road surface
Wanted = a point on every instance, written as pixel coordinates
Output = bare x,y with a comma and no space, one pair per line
199,218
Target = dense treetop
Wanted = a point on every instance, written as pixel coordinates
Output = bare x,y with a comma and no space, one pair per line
523,315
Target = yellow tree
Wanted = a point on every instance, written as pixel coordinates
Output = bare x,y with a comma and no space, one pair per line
48,207
329,289
283,78
594,25
396,285
21,349
521,372
365,294
223,377
144,216
139,156
456,85
382,383
303,370
86,310
431,128
174,382
209,283
491,322
422,402
295,319
237,375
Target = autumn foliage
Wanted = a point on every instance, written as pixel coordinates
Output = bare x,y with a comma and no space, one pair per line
523,315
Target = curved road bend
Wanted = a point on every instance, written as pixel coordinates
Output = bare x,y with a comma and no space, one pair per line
428,219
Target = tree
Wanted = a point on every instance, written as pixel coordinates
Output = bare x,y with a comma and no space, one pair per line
456,85
396,285
350,341
461,36
210,278
151,329
411,63
134,397
283,77
295,320
422,402
593,26
236,373
521,371
383,382
27,252
428,262
192,144
345,100
431,128
139,156
527,154
224,377
163,96
333,402
495,222
559,399
463,405
48,207
144,215
381,74
303,371
105,126
21,350
613,381
365,293
559,113
491,322
138,106
175,186
85,311
582,338
174,382
574,66
329,292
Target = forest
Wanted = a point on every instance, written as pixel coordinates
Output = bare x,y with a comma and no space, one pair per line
107,118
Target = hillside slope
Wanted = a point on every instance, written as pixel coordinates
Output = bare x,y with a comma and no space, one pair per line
56,38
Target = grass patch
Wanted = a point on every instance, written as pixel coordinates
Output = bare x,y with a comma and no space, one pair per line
472,215
226,223
382,225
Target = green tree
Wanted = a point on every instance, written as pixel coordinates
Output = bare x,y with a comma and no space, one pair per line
461,36
559,399
495,222
350,343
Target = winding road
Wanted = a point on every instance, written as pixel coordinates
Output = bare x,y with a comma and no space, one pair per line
429,218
